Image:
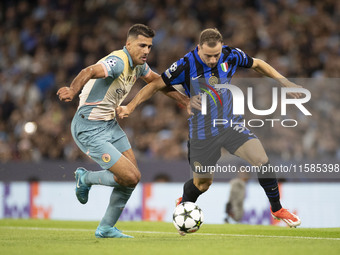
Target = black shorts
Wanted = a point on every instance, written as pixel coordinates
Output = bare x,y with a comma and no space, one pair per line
208,151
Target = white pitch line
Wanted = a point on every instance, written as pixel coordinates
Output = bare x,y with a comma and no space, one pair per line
174,233
49,229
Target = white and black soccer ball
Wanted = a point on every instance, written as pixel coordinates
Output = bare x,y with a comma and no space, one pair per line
187,217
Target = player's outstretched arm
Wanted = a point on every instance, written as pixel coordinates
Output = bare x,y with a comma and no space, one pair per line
169,91
143,95
175,95
264,68
91,72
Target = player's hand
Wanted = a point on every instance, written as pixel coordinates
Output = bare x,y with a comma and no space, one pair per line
66,94
123,112
195,103
289,84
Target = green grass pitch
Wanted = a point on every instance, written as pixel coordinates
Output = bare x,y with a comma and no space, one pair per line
69,237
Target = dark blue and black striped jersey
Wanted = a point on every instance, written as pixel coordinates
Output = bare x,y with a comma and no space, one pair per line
197,78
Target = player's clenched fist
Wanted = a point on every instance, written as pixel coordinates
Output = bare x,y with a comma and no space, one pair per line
66,94
123,112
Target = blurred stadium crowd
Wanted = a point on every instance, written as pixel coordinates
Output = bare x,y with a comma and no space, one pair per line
44,44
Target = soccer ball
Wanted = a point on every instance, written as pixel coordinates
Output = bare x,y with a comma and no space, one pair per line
187,217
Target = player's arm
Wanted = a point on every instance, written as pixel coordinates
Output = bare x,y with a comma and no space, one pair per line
264,68
143,95
169,90
174,94
91,72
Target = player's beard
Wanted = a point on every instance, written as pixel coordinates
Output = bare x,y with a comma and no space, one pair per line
212,65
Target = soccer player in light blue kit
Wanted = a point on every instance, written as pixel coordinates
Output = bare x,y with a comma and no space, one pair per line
95,129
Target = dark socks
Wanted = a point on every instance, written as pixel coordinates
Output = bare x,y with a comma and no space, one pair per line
190,192
269,183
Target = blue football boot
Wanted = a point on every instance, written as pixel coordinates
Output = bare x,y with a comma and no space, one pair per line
110,232
82,189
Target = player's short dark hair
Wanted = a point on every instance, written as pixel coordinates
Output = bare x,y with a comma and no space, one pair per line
210,36
140,29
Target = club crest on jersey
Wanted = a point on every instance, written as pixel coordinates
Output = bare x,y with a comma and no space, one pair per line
106,157
213,80
224,67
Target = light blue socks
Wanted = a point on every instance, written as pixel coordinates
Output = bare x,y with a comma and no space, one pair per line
119,197
104,177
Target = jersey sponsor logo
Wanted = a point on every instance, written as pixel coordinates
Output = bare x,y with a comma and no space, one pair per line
119,91
131,78
106,157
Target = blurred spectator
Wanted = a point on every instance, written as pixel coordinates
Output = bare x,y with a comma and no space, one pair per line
237,195
162,177
44,44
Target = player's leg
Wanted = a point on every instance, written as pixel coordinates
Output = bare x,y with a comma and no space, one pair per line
119,196
121,193
123,176
201,154
105,145
124,172
193,188
104,142
108,145
90,140
253,152
121,171
127,175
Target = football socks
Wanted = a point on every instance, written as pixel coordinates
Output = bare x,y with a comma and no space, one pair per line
190,192
104,177
118,199
268,181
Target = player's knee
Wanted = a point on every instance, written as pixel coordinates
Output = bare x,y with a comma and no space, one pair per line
262,160
204,185
133,179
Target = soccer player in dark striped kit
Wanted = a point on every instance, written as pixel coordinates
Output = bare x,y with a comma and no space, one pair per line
209,64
